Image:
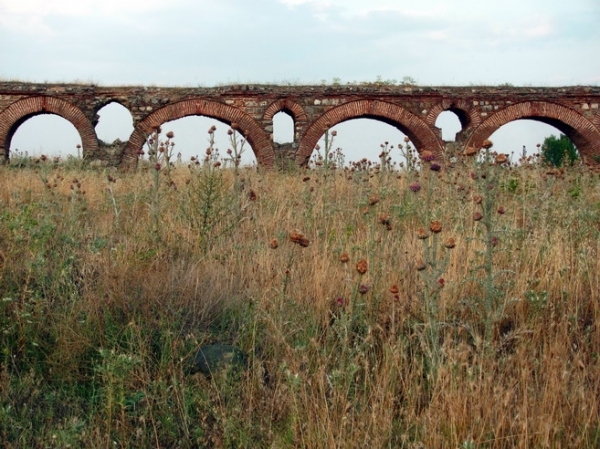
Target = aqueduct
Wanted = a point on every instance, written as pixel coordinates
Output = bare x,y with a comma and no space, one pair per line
481,110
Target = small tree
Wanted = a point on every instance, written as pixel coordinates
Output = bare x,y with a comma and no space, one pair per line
559,150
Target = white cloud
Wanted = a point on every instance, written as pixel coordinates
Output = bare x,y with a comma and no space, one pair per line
78,7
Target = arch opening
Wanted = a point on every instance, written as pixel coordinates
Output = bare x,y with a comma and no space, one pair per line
522,138
364,139
114,122
258,140
191,138
575,126
284,127
421,136
44,134
450,124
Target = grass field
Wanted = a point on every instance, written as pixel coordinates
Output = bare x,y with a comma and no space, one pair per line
418,308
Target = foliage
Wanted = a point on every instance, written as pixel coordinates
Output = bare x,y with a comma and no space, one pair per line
558,151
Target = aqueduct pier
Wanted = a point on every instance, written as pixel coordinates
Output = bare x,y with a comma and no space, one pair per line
573,110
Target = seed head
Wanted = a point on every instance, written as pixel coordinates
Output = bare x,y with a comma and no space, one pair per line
298,238
501,158
274,244
450,243
477,216
435,226
373,200
471,151
422,234
487,144
362,266
344,257
394,289
170,135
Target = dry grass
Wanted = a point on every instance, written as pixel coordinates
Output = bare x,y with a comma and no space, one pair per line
105,294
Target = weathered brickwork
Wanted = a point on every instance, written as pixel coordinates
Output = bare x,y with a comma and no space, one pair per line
250,108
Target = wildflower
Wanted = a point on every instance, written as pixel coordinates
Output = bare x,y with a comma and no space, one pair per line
435,226
274,244
394,289
344,257
361,266
450,243
477,199
414,186
362,289
334,133
373,200
230,132
306,178
217,164
441,282
252,195
157,166
435,167
298,237
406,139
422,234
495,241
421,265
501,210
477,216
487,144
170,135
341,301
427,156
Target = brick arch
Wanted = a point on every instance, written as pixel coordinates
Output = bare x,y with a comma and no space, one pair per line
463,109
411,125
596,120
285,104
248,127
575,126
20,111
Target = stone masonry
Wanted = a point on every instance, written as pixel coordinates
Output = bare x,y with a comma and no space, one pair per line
481,110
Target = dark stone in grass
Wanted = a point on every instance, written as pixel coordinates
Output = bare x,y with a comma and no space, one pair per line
212,359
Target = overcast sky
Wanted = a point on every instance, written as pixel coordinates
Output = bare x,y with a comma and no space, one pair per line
197,42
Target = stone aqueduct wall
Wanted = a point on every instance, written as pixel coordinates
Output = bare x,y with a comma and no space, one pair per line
412,109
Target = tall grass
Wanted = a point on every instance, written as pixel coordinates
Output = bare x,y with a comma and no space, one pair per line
452,331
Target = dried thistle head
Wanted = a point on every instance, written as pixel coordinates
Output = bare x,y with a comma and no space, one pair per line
362,266
450,243
422,234
501,158
471,151
298,238
435,226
